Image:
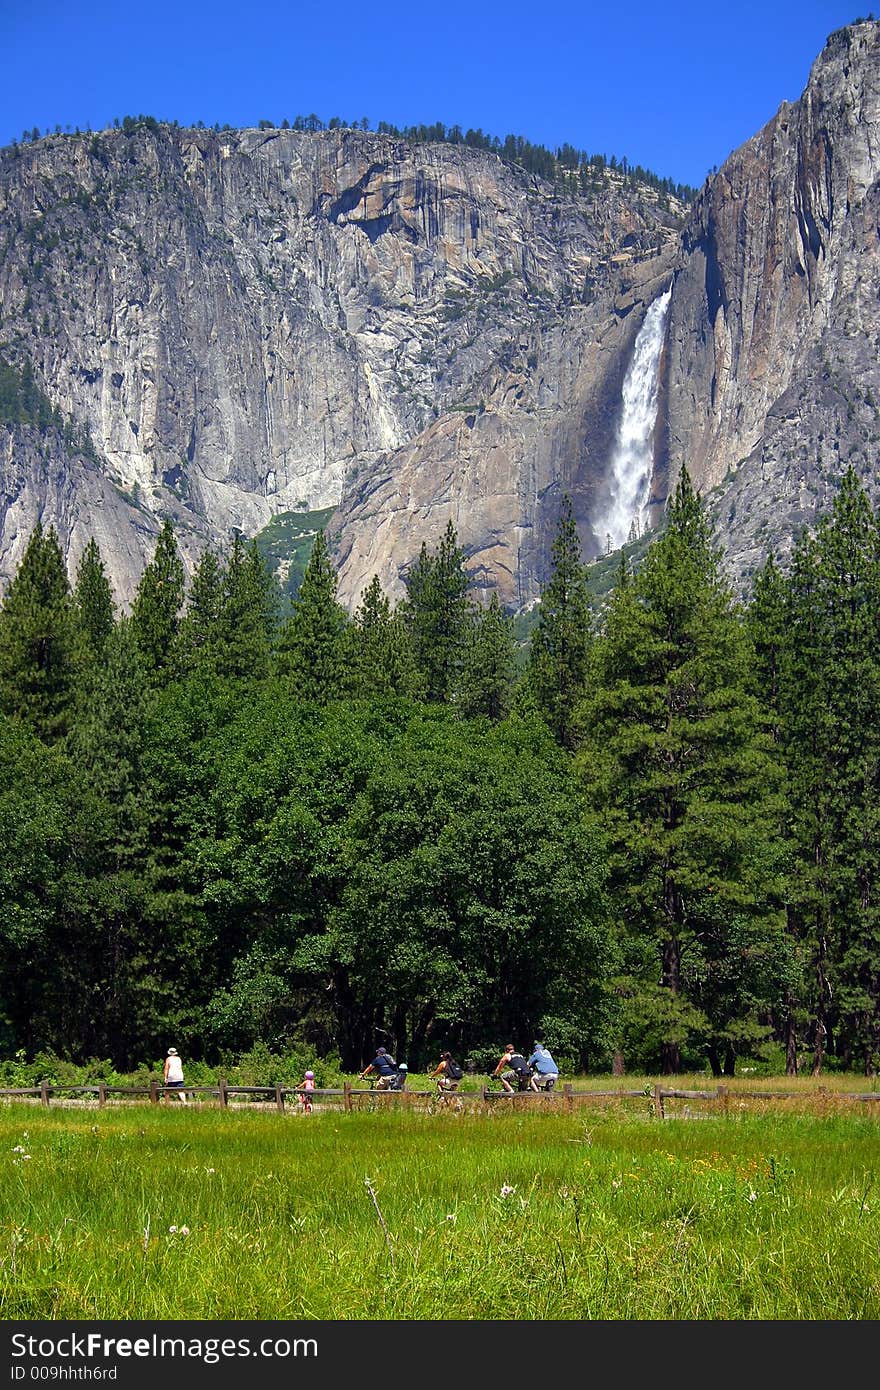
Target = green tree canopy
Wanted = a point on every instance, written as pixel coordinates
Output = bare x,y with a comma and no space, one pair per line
676,759
36,639
438,616
314,651
559,657
155,612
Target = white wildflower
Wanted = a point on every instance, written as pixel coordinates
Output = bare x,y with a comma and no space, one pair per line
507,1190
753,1196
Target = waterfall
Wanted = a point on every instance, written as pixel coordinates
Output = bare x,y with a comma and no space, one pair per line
629,473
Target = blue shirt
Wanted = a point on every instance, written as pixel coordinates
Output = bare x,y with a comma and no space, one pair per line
543,1062
384,1065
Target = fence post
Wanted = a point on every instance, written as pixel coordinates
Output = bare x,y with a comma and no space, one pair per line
279,1098
567,1092
222,1093
154,1091
44,1092
724,1096
658,1102
346,1094
102,1095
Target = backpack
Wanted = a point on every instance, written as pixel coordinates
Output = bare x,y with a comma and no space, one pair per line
453,1070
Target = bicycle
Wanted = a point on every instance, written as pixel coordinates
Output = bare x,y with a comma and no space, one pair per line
388,1083
523,1083
543,1083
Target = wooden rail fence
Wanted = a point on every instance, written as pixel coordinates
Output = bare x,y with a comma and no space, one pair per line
348,1094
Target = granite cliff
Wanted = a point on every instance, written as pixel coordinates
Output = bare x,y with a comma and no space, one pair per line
232,326
772,378
252,323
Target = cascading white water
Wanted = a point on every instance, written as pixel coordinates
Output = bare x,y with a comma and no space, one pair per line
629,473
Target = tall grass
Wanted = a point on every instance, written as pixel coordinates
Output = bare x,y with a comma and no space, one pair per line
198,1214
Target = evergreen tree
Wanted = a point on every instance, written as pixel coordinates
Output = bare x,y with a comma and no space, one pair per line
248,615
767,627
156,607
313,648
489,665
676,761
804,712
106,744
831,721
199,634
383,659
439,616
94,610
36,640
559,655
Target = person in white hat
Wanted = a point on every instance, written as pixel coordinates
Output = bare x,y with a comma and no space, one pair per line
174,1073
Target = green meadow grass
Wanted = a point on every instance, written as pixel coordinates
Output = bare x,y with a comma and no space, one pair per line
171,1212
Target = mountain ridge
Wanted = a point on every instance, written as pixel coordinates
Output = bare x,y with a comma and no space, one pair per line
246,324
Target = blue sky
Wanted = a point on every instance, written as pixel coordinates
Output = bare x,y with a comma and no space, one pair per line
674,88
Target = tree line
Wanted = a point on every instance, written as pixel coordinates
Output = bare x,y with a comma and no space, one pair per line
653,840
537,159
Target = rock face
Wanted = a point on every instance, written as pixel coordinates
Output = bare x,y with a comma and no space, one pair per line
250,323
772,379
256,322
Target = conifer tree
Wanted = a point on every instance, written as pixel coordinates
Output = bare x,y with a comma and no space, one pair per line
767,626
438,616
94,610
489,666
36,640
199,634
383,659
248,615
558,660
313,649
107,737
831,720
676,761
156,607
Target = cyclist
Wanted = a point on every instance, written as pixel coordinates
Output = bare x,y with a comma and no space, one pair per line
545,1072
512,1066
385,1067
448,1073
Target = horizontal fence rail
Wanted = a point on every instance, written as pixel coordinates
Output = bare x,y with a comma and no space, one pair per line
280,1096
